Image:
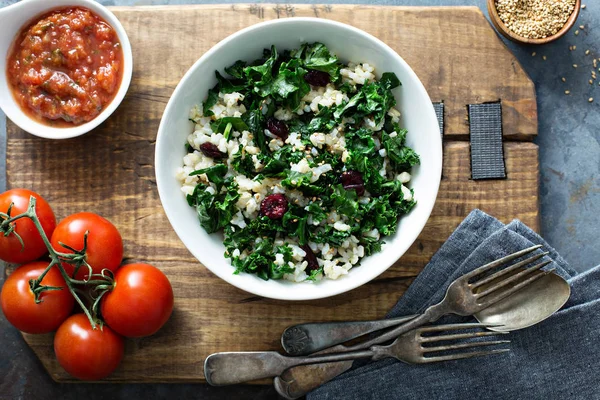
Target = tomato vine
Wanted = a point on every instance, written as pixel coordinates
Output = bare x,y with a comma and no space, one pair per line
97,284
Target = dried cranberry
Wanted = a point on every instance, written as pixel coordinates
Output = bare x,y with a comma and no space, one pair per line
310,258
278,128
353,180
212,151
317,78
274,206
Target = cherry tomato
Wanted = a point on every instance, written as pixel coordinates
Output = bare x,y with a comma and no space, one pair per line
87,354
11,249
140,302
104,243
18,302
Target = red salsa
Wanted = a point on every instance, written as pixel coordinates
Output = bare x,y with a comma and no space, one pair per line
66,67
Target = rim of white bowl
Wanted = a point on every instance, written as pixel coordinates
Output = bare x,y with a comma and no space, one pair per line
12,109
227,275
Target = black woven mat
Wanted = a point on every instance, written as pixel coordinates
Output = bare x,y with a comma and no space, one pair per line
439,112
487,154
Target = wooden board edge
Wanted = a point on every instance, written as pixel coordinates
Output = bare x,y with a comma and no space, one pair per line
249,6
533,146
40,357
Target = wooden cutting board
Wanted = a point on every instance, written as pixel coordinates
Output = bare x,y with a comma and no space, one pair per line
454,51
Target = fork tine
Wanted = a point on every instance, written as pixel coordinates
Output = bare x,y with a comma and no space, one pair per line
501,261
468,335
488,302
462,355
507,270
448,327
514,278
463,346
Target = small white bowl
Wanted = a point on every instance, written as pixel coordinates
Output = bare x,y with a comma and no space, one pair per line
12,20
349,44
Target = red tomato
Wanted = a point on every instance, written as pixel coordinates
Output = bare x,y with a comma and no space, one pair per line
104,243
18,304
11,249
140,302
87,354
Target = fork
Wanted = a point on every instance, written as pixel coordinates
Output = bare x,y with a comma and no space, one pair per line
412,347
467,295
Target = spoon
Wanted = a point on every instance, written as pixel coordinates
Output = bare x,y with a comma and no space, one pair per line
524,308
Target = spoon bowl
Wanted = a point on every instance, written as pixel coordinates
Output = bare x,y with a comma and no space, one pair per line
12,20
529,306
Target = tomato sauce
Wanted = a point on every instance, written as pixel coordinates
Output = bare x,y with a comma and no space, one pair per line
66,68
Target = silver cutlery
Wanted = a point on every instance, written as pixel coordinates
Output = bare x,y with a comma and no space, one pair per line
414,347
322,335
467,295
462,298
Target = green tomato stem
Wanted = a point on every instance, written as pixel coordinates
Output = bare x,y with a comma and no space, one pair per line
101,282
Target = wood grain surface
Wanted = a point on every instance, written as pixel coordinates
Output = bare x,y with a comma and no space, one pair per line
110,171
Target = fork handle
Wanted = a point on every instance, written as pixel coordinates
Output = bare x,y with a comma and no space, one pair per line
431,314
297,382
309,338
237,367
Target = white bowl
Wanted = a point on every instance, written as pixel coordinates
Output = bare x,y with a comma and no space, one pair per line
12,20
349,44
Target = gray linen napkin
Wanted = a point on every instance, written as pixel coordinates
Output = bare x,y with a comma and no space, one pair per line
556,359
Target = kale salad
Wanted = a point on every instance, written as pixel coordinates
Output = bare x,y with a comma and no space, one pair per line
301,162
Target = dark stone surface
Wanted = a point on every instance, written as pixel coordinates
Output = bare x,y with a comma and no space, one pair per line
569,142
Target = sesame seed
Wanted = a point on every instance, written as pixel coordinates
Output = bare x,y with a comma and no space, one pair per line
591,82
567,92
534,19
583,6
533,54
576,32
591,99
574,47
563,79
574,65
587,52
582,27
544,58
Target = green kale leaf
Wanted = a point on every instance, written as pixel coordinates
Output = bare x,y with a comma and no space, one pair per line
228,86
260,77
220,125
214,211
295,222
237,69
345,201
360,142
389,80
402,157
211,100
301,181
317,56
215,174
316,212
254,119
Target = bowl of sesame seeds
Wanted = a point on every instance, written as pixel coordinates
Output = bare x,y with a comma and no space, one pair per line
533,21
